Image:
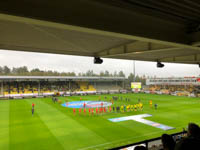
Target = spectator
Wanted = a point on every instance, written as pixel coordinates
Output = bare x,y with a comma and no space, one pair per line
193,130
192,141
140,148
168,142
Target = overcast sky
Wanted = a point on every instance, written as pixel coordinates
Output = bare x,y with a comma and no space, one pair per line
68,63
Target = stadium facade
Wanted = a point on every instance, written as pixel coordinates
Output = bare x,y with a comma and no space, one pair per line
180,86
174,81
22,86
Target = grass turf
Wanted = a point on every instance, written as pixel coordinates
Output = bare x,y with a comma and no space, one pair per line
55,127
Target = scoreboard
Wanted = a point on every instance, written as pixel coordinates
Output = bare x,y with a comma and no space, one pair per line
136,85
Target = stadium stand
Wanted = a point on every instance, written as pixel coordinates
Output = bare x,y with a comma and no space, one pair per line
86,86
107,86
188,86
14,86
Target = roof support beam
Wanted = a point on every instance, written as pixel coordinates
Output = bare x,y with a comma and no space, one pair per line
124,50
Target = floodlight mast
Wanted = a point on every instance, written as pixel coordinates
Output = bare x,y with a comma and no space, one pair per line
133,70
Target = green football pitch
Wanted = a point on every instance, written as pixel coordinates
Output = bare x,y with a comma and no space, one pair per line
56,127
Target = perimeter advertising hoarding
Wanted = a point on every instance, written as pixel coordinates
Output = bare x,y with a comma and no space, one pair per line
136,85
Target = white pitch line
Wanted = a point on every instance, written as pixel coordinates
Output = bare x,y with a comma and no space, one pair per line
117,141
123,139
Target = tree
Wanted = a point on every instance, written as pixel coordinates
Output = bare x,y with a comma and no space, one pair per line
101,74
121,74
1,70
106,74
131,77
115,74
6,70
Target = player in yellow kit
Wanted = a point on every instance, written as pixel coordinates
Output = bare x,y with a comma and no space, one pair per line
122,108
131,107
128,108
141,106
135,107
150,103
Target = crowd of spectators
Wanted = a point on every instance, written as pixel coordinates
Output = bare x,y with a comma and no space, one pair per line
188,141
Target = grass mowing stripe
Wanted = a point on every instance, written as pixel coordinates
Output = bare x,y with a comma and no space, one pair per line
4,125
172,111
96,123
64,128
27,131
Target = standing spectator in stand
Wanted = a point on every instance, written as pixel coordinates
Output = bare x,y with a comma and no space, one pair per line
140,148
168,142
192,141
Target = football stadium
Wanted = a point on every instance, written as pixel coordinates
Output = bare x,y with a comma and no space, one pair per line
51,110
91,112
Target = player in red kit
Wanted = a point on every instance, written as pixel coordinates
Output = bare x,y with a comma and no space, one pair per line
84,105
89,111
92,111
84,111
97,110
110,108
33,105
74,110
33,108
79,110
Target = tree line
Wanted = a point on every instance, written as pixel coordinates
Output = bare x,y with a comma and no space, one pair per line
24,71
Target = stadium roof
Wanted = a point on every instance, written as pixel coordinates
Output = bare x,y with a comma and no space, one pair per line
60,78
161,30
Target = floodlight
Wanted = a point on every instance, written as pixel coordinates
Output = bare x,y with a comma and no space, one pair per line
98,60
160,65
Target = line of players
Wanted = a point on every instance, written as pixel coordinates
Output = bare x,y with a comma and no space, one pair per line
109,109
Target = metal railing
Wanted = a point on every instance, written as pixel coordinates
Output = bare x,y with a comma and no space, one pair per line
146,142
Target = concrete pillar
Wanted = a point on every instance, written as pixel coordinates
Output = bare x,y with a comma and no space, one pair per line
69,86
2,91
38,87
